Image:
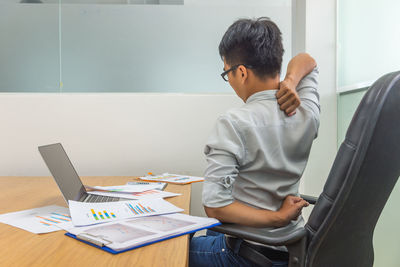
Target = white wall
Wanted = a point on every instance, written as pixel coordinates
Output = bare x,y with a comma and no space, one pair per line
109,134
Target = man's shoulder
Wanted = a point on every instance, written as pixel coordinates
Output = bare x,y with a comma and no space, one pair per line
256,113
239,114
237,118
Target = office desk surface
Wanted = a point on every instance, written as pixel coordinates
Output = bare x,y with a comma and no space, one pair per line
22,248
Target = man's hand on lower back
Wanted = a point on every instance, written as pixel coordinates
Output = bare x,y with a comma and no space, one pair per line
291,209
287,97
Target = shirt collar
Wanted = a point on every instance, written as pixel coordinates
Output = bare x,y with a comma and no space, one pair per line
262,95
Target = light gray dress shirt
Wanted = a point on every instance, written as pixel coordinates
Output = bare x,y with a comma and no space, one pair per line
256,154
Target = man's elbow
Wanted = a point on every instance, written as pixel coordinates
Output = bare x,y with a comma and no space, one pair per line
312,61
212,212
308,58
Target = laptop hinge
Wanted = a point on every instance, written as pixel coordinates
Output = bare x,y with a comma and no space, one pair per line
84,198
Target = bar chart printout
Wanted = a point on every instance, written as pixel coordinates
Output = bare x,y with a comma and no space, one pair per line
93,213
54,218
140,209
102,215
39,220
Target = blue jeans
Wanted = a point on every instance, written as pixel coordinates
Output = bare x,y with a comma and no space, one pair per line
211,250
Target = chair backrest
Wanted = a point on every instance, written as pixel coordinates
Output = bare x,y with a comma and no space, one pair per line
362,177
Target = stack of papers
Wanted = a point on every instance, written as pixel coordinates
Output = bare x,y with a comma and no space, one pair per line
131,187
133,190
117,226
172,178
142,195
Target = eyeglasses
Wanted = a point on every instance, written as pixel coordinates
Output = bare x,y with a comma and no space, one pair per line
224,75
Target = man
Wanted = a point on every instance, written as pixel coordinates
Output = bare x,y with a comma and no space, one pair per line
256,154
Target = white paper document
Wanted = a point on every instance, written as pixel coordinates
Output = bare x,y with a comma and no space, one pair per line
135,232
141,195
39,220
83,213
151,185
172,178
135,187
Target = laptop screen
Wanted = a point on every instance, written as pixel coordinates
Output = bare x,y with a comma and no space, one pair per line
63,171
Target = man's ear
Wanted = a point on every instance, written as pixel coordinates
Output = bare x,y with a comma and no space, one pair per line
242,71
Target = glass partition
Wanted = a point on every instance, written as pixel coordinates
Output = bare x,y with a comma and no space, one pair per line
368,36
123,45
347,103
29,47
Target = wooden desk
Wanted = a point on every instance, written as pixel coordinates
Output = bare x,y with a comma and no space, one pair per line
22,248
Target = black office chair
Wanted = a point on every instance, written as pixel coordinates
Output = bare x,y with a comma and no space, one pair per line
340,229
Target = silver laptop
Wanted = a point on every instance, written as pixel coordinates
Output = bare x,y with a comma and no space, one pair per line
66,177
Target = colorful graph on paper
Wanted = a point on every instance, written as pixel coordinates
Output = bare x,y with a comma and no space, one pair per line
102,215
148,192
53,218
139,209
39,220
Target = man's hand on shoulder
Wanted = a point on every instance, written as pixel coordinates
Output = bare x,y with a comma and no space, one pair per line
287,96
298,67
291,209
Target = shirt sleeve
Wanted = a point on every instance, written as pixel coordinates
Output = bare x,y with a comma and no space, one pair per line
224,151
308,93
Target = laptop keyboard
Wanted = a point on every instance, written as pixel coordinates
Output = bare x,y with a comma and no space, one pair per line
97,198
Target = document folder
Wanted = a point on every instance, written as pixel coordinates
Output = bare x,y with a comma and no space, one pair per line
105,239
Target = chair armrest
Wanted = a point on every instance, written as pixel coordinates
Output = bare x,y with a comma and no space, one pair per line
268,236
310,199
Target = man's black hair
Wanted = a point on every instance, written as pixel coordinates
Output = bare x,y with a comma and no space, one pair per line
255,42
